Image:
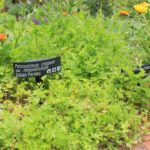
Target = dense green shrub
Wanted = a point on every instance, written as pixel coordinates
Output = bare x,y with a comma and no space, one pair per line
72,119
139,28
89,105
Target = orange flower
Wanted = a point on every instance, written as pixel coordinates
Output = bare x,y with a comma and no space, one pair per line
65,13
3,36
124,12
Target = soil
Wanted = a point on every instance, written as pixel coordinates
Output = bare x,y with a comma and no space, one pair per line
144,145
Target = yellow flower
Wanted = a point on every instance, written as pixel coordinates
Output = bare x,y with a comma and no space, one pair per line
141,8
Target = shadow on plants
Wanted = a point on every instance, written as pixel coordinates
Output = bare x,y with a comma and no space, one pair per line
146,68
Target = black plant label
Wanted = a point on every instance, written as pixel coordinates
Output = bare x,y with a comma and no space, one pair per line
37,68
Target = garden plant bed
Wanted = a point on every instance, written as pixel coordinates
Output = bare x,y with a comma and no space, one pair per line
67,75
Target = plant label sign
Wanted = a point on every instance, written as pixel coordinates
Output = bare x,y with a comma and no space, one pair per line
37,68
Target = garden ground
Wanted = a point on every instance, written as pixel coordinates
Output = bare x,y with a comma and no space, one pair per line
145,145
96,101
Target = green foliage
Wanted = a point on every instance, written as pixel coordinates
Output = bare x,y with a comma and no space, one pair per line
88,48
136,41
71,119
95,5
90,105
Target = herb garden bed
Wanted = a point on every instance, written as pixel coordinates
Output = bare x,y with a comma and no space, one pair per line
89,103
